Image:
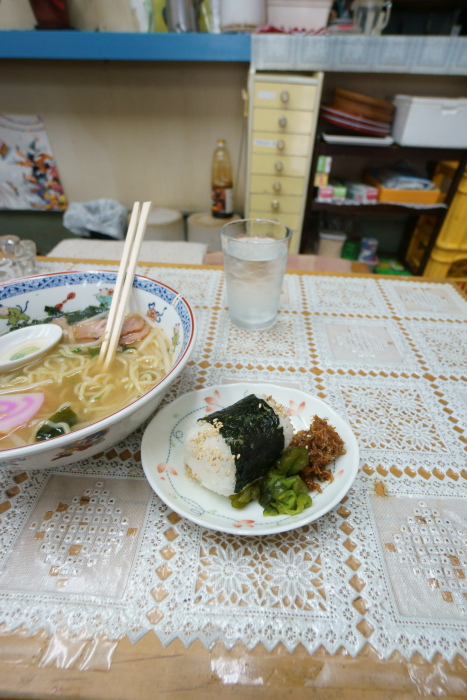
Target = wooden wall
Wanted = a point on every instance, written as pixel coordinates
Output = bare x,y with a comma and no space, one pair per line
147,130
133,130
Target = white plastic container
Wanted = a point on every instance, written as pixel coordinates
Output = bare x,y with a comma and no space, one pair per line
430,121
204,228
242,15
165,225
330,244
16,15
299,14
114,16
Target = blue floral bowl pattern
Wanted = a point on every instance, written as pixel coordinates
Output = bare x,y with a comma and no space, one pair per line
25,299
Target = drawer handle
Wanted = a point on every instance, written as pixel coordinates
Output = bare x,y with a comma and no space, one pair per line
285,96
278,166
282,122
277,186
275,206
280,145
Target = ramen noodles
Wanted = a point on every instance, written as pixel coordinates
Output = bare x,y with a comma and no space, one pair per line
68,389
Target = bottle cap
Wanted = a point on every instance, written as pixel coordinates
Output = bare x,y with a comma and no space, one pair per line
221,142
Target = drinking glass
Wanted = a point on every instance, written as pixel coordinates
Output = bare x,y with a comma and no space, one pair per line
255,258
17,258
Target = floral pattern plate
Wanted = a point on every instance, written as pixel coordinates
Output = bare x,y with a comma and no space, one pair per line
162,456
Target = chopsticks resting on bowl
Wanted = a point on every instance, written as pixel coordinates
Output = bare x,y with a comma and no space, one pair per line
124,283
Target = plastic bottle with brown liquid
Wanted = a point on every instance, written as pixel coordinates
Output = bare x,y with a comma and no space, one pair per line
221,182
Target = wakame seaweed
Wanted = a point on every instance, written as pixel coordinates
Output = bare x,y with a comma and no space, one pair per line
252,430
71,317
53,427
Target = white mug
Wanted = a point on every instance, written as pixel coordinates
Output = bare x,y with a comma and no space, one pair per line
242,15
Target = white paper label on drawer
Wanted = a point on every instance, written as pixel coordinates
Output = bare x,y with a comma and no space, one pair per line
265,142
266,95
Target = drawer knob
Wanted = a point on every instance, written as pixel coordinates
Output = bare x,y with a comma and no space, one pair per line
278,166
275,206
280,145
282,122
285,96
277,186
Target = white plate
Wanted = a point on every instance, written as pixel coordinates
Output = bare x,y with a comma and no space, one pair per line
162,458
358,140
354,118
361,129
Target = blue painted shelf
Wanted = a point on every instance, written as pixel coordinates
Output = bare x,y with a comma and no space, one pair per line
110,46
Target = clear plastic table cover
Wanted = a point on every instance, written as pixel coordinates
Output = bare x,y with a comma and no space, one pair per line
89,550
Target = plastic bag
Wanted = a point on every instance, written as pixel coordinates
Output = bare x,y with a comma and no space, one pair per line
104,216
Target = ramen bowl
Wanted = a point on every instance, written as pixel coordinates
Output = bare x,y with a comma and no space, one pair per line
31,298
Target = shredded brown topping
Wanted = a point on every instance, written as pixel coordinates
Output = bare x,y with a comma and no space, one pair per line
323,445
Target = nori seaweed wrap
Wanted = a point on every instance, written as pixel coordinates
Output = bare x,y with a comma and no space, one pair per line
231,448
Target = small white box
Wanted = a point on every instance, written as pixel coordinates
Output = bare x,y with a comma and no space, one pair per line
430,121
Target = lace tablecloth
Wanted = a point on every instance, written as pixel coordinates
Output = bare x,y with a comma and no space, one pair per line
91,549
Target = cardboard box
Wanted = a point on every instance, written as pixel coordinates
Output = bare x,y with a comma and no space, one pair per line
323,164
321,180
325,194
339,192
361,193
386,194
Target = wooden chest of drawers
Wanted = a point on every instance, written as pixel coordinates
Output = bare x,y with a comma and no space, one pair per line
282,116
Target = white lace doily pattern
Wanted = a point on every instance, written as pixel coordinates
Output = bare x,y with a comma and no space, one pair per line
443,345
91,548
363,345
427,300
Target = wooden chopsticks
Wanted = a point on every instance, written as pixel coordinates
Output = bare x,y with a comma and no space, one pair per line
124,283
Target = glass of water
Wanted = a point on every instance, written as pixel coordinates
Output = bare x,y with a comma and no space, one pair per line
255,258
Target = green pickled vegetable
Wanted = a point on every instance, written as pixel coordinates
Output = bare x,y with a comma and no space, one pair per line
292,461
53,427
249,493
282,491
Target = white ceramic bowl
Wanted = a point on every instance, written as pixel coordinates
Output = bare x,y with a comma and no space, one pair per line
76,290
